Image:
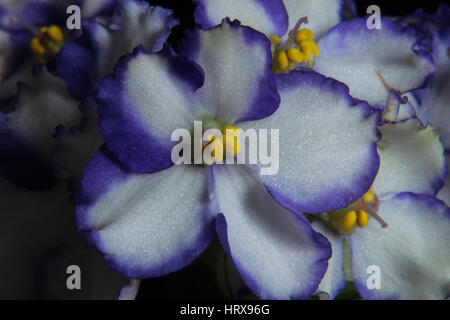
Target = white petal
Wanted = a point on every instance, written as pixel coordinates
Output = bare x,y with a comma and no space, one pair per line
237,62
145,225
411,159
334,280
268,16
412,253
140,24
322,14
276,252
327,144
369,61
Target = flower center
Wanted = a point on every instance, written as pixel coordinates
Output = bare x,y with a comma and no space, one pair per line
217,146
47,42
356,215
299,47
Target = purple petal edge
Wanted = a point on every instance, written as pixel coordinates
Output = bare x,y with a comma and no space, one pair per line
337,199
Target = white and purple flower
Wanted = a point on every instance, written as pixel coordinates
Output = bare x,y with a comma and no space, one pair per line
43,102
149,218
408,235
372,63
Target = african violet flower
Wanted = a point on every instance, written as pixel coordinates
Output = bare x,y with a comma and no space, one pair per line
408,237
39,241
371,62
44,103
149,217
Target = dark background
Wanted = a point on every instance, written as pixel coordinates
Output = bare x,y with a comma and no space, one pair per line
198,280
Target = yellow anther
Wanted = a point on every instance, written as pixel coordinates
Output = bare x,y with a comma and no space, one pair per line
363,218
349,220
304,34
309,47
230,130
282,60
55,33
47,44
231,139
274,39
231,144
36,47
216,147
369,197
295,55
217,150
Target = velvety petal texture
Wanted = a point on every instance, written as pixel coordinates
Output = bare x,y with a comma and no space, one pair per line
276,252
327,155
268,16
271,17
133,105
322,14
411,159
237,62
97,8
135,101
374,62
145,225
412,253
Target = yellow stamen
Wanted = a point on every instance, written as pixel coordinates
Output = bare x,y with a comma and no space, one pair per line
282,60
230,130
304,34
47,44
230,139
55,33
295,55
274,39
349,220
363,218
369,197
309,47
216,149
36,47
